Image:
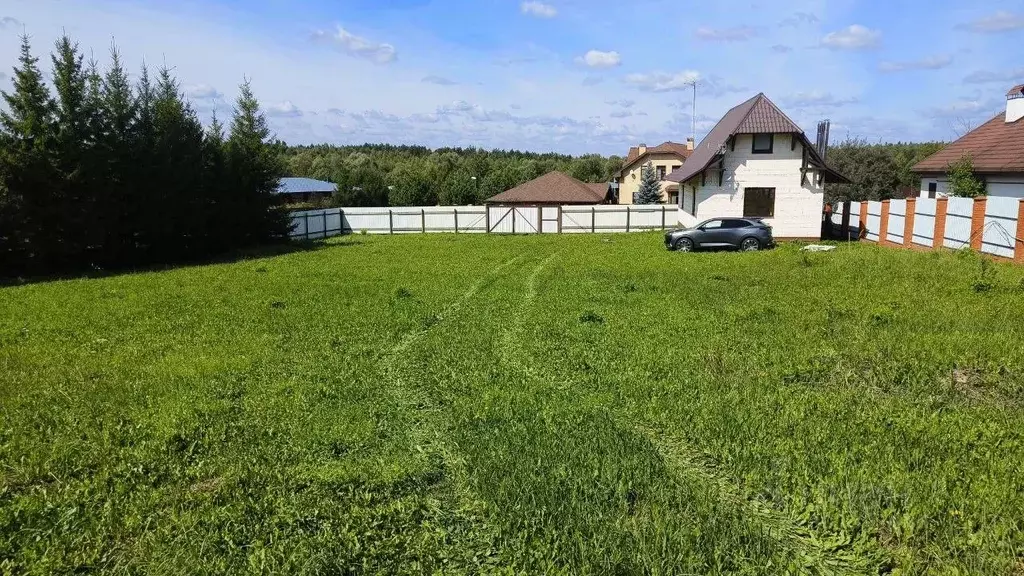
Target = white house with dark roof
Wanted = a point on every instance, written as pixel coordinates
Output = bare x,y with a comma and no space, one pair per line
756,162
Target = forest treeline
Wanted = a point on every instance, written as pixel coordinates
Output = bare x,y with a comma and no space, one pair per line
100,173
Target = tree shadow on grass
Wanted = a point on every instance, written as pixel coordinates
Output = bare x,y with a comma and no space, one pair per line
240,255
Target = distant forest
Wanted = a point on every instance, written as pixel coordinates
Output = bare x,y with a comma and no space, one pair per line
386,175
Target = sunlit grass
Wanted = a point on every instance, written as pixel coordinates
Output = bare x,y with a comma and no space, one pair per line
570,404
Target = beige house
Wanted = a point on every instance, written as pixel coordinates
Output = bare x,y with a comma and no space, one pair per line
665,158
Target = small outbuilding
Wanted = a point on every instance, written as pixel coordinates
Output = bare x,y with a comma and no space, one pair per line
294,190
553,189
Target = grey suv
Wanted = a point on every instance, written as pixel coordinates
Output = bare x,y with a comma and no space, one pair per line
740,233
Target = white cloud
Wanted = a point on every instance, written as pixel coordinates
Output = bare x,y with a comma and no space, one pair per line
930,63
598,59
9,22
966,109
855,37
284,110
539,9
737,34
782,48
203,92
625,103
621,114
439,80
999,22
816,99
663,81
349,43
989,76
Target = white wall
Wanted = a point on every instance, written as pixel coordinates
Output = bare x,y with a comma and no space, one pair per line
1010,186
797,208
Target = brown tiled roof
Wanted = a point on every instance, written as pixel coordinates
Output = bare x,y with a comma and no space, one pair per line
995,146
600,188
663,148
552,188
759,115
1016,91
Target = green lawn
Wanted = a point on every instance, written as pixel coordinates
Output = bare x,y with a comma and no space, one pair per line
563,404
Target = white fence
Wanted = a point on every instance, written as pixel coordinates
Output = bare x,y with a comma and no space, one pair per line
874,220
897,221
315,224
958,223
924,222
998,236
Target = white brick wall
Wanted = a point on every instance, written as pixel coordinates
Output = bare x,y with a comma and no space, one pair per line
797,208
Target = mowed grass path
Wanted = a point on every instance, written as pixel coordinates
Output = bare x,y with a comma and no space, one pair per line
570,404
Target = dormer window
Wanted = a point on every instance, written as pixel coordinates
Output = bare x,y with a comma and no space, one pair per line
763,143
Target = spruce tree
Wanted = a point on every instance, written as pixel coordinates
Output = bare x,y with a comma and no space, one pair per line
117,200
650,186
26,169
255,171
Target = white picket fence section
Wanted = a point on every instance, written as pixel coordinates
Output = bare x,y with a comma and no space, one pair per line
1000,226
958,223
924,222
318,224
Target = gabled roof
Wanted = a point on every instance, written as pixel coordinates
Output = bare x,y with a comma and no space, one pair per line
664,148
304,186
995,146
759,115
552,188
1016,92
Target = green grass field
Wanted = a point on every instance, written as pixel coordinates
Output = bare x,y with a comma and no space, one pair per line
561,404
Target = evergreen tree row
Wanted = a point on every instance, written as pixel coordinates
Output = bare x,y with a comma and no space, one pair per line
104,173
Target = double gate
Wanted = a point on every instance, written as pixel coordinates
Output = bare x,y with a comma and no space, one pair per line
524,219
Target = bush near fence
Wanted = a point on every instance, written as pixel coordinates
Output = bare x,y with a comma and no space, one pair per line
318,224
992,225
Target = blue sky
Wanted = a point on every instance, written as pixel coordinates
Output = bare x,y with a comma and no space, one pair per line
571,76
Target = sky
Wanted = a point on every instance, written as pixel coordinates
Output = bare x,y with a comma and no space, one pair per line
572,76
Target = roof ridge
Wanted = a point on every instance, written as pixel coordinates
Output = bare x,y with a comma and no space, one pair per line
756,99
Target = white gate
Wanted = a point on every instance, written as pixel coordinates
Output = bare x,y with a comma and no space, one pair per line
514,219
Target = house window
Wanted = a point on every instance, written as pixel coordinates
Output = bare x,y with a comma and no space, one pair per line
758,202
763,143
933,187
661,172
673,197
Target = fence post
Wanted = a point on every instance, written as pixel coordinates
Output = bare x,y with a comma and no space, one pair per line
941,211
487,218
978,222
456,220
560,219
423,221
883,234
844,226
1018,244
908,222
391,221
341,221
307,225
627,217
324,214
663,209
593,219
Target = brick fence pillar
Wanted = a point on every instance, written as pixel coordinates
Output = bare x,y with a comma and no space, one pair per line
1018,245
978,222
883,232
864,219
939,237
908,222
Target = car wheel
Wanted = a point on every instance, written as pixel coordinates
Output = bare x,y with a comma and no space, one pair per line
750,245
684,245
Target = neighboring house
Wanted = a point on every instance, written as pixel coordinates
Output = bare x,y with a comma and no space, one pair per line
756,162
555,189
996,149
293,190
665,158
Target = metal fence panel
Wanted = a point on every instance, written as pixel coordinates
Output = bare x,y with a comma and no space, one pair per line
958,223
924,222
897,221
1000,226
874,222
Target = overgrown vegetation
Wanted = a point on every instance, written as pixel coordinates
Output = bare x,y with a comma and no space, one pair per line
962,181
427,404
382,175
878,171
104,174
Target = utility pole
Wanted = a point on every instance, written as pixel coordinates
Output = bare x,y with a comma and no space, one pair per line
693,112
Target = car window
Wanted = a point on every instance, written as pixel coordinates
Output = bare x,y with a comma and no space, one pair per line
736,224
712,225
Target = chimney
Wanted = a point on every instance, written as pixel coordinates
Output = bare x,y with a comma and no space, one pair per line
642,149
1015,104
689,144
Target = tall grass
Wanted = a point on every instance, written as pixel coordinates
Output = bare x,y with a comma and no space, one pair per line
580,405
